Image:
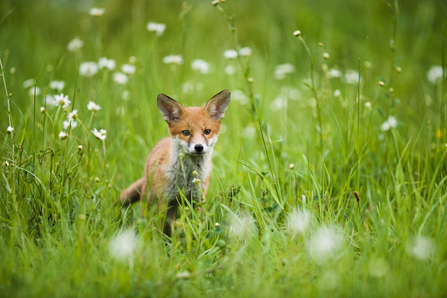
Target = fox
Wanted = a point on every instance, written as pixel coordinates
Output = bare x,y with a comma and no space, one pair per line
181,161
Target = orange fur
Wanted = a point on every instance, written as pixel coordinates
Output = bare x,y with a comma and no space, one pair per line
177,161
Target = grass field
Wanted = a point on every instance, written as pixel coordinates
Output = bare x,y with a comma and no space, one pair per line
329,176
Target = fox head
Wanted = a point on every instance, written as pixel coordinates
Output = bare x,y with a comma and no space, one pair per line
194,130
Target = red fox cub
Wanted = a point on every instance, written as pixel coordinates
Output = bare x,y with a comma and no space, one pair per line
183,160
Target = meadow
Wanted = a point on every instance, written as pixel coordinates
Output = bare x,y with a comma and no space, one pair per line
329,176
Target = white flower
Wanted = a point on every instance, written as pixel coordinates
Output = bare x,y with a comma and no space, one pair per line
101,135
391,122
42,109
57,85
125,95
106,63
325,243
63,135
200,66
230,54
29,83
88,69
368,105
97,12
34,91
188,87
378,267
352,77
240,96
10,129
229,70
69,123
127,68
123,245
278,103
73,114
326,56
61,100
158,28
299,221
337,93
334,73
196,181
242,226
93,107
173,59
245,52
75,44
120,78
249,132
420,247
283,69
434,74
291,166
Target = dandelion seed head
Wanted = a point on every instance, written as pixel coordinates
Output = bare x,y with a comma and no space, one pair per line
97,12
241,226
325,243
230,54
123,245
103,62
173,59
434,74
75,44
420,247
299,221
88,69
378,267
200,66
120,78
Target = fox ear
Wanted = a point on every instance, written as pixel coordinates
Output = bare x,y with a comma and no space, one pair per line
217,105
169,108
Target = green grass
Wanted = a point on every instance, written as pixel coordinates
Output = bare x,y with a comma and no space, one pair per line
58,223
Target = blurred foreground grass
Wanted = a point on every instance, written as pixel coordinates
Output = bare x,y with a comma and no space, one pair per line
313,192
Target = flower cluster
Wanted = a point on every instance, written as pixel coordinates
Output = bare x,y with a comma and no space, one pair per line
282,70
157,28
390,123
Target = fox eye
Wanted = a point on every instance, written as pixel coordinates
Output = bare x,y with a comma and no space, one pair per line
186,133
207,131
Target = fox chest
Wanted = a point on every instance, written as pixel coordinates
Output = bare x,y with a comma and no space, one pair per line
186,176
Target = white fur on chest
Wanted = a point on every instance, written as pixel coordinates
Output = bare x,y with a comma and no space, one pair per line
179,174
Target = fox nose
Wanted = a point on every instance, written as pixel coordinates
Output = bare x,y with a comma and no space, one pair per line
198,147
